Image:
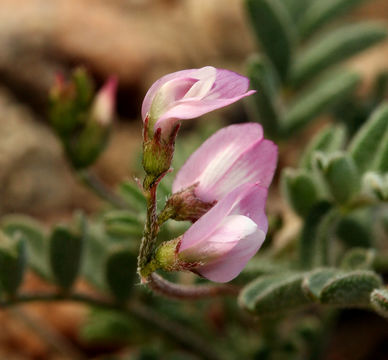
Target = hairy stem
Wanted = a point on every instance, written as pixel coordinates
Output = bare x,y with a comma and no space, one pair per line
101,190
174,331
188,292
150,228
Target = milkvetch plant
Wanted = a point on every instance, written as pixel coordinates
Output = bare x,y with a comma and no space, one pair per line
199,220
222,187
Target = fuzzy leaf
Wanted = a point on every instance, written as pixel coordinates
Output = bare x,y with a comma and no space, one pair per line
318,98
339,288
265,102
381,157
365,144
35,238
122,223
296,8
120,272
133,195
375,185
274,30
350,289
379,301
274,294
327,141
335,47
320,13
309,237
95,249
341,177
300,190
314,282
12,263
358,258
353,232
65,255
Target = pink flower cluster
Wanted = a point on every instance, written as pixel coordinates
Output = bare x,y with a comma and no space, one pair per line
232,169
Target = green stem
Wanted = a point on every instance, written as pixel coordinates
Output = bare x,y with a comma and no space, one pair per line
174,331
101,190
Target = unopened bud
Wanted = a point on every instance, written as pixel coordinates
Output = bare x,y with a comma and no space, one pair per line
82,123
104,103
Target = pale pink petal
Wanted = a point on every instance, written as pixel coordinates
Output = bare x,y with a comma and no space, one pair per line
170,92
189,73
190,109
231,264
206,78
256,165
221,149
206,224
222,240
252,204
228,84
157,85
223,248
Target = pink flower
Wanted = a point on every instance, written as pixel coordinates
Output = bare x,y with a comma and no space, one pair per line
234,155
223,240
188,94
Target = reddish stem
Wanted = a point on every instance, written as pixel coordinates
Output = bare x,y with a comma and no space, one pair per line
189,292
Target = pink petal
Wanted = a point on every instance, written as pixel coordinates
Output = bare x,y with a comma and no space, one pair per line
104,102
256,165
222,240
206,78
228,84
247,199
252,204
206,224
157,85
190,109
221,149
169,93
231,264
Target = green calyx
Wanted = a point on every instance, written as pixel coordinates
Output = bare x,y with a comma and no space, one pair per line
157,157
165,258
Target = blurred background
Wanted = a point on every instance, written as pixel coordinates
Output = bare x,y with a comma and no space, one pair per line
138,41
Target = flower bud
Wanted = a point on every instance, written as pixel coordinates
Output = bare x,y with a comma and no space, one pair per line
102,110
82,122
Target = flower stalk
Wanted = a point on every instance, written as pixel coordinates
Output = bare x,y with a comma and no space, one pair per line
189,292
